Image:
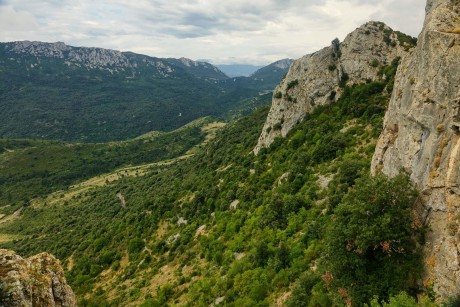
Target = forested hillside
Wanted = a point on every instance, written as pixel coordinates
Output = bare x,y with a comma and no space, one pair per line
51,91
226,227
29,169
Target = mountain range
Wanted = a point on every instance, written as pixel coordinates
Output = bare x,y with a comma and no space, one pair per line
343,192
56,91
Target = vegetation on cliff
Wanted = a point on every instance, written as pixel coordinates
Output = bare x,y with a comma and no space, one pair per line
226,226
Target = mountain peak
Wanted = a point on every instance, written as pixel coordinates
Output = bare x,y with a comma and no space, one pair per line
318,78
283,64
188,62
38,48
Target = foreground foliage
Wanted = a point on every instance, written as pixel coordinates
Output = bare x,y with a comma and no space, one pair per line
373,233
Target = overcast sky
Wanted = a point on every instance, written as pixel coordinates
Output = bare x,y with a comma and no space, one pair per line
232,31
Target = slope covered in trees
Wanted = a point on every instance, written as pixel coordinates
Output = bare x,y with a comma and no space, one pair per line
31,169
225,226
51,91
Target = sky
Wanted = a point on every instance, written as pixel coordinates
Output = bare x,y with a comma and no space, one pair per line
255,32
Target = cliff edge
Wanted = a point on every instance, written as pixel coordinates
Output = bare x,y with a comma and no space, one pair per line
318,78
36,281
422,137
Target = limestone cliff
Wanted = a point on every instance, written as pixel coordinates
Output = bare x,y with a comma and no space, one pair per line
422,136
315,79
112,61
36,281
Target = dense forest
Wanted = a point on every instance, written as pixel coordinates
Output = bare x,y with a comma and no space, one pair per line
301,224
78,96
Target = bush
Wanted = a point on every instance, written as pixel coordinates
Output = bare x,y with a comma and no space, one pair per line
373,233
405,300
401,299
374,63
292,84
301,293
136,245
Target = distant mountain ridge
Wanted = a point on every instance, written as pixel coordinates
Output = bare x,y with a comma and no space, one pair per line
56,91
199,69
265,78
238,70
110,60
273,72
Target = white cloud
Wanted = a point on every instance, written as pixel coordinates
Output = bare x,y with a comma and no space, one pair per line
13,21
258,31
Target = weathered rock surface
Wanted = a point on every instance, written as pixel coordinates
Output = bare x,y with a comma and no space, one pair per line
314,79
112,61
422,137
36,281
90,58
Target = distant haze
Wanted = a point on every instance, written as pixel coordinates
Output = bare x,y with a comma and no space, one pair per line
238,70
257,32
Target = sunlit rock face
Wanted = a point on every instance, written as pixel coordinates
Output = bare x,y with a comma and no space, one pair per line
315,79
36,281
422,137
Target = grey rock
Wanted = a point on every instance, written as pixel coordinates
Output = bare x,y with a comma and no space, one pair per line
90,58
314,79
36,281
421,136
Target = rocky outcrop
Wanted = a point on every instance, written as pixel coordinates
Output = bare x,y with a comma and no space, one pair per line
89,58
422,137
315,79
36,281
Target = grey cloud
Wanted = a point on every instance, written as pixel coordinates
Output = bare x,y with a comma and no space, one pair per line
226,16
200,20
406,16
215,29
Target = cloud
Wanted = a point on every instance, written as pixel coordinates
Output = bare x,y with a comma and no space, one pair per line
258,31
16,21
406,16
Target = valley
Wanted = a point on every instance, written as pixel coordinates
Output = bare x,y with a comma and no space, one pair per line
100,95
341,192
179,234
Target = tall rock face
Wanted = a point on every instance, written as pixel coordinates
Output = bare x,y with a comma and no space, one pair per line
422,137
36,281
315,79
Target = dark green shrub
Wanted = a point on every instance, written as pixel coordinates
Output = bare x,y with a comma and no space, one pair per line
374,63
371,245
332,95
292,84
136,245
301,293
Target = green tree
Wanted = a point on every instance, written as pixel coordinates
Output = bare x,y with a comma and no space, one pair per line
371,248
